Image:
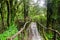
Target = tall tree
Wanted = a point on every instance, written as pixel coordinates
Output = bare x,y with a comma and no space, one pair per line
26,6
49,13
9,11
58,4
2,14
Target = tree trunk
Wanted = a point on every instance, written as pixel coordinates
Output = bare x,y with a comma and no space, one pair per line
26,6
55,36
2,16
12,11
58,12
49,15
8,15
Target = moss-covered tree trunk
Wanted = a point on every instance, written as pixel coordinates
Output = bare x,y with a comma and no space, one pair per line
2,17
58,12
49,14
8,14
26,6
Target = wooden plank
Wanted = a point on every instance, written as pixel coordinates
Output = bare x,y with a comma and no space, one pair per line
33,32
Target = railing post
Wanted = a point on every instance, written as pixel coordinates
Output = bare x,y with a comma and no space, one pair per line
55,36
9,38
18,36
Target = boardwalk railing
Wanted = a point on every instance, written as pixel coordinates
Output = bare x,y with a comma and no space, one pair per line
14,36
53,30
54,37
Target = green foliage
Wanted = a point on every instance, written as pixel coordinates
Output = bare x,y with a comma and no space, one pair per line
9,32
49,35
38,18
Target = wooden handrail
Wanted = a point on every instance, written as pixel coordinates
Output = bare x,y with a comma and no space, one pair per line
12,37
49,29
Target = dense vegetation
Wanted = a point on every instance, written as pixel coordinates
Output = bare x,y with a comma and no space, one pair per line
14,13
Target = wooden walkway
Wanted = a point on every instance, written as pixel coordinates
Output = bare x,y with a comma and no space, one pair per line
33,32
